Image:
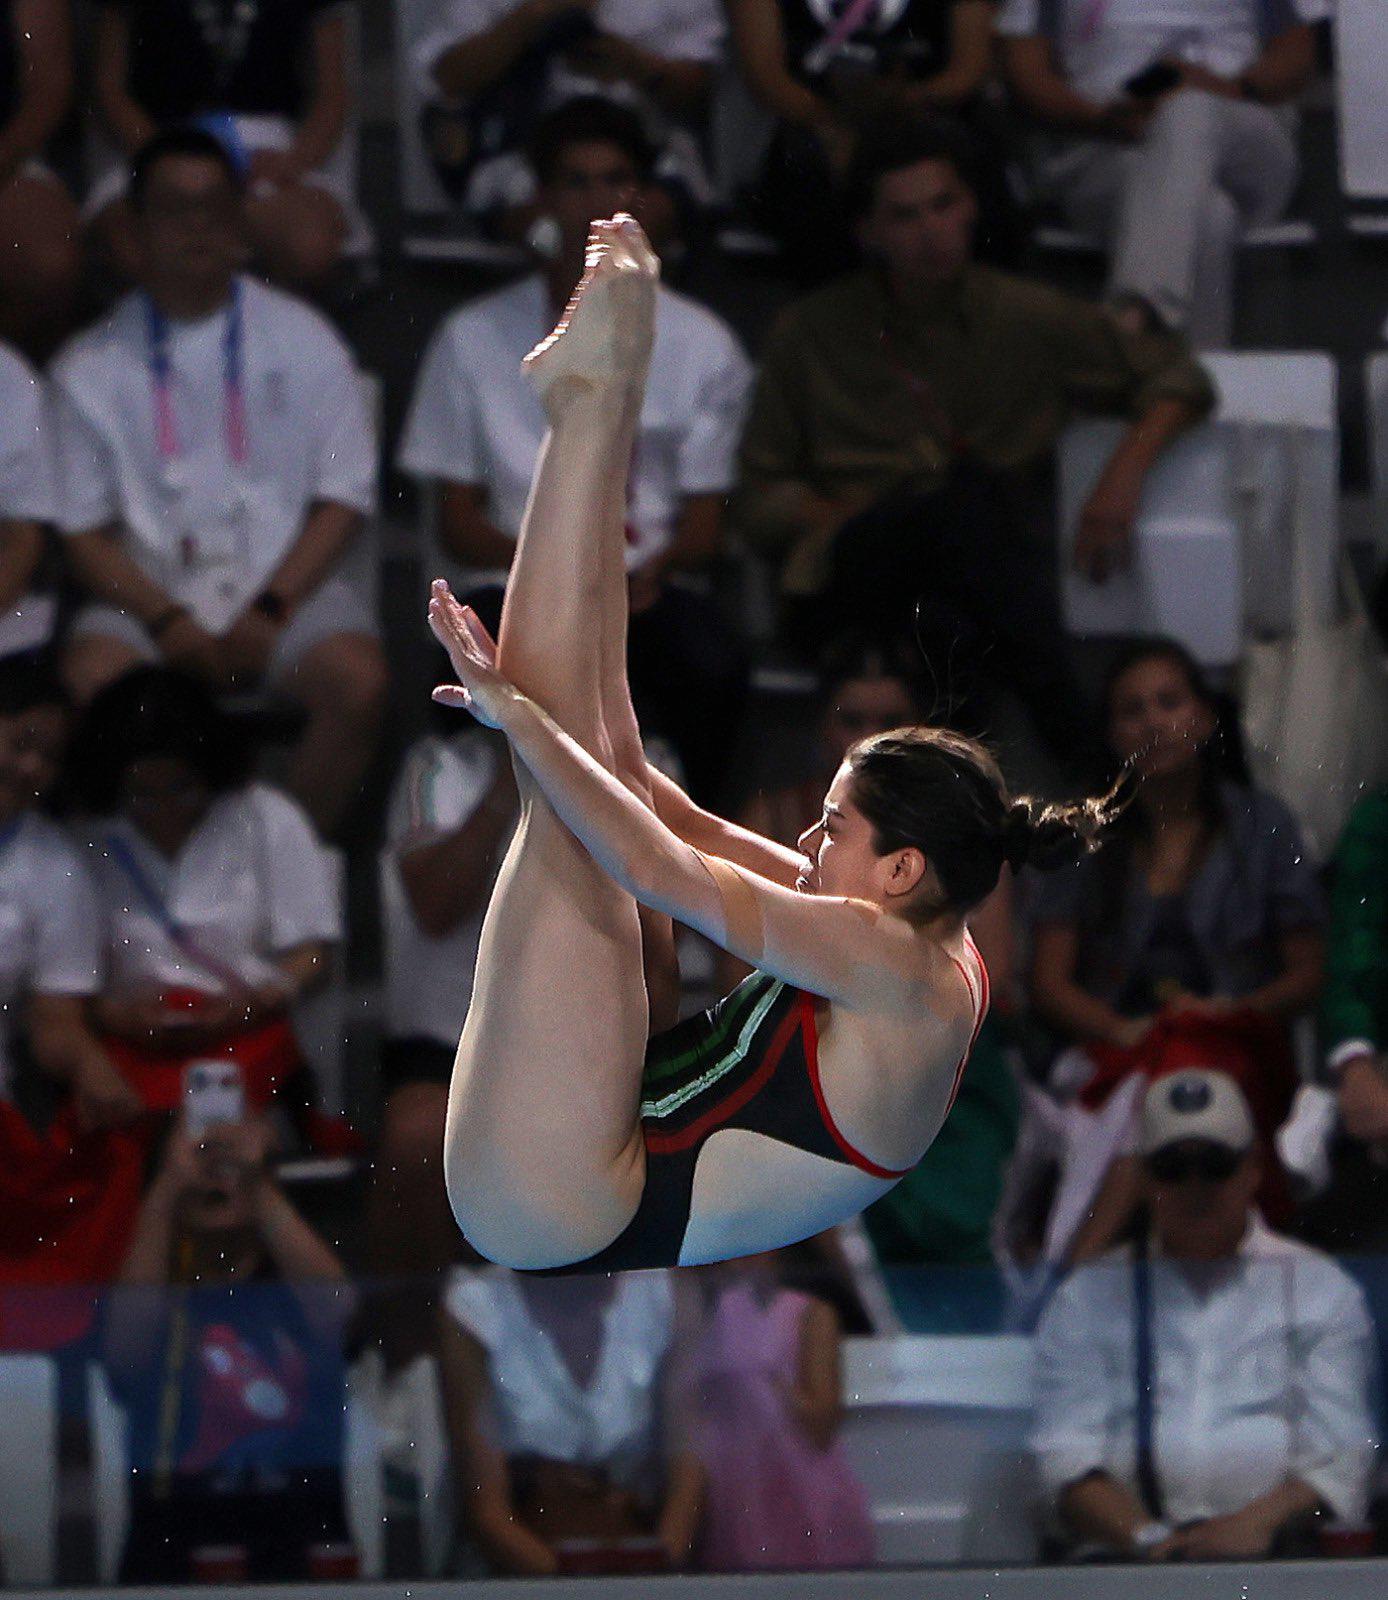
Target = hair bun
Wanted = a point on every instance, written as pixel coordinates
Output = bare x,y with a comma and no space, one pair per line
1017,834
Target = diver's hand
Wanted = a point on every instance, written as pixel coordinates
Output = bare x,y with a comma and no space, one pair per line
481,688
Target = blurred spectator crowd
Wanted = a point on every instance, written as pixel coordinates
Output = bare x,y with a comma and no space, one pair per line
244,861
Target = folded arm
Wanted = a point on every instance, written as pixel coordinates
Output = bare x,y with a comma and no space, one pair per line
715,835
844,950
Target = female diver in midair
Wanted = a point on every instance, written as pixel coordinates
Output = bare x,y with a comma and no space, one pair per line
582,1130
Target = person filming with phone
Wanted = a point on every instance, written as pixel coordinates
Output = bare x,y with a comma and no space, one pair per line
222,1342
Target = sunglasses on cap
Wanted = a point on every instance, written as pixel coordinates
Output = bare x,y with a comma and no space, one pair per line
1206,1163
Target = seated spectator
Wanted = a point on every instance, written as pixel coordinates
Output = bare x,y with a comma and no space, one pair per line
1253,1349
28,506
476,425
1353,1212
1167,131
492,68
897,462
1356,992
828,74
219,904
567,1410
451,814
69,1184
780,1491
270,81
222,1340
216,461
40,260
1196,934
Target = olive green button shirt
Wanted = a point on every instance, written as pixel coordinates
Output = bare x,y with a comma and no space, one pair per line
858,395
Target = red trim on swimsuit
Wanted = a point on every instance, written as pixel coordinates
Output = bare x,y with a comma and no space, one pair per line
980,1002
664,1143
811,1040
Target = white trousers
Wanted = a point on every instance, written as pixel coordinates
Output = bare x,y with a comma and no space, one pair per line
1172,208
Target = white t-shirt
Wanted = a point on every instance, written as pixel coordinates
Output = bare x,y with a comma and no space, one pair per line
1103,43
1262,1373
476,419
612,1423
429,981
208,530
679,30
252,882
26,444
28,492
50,923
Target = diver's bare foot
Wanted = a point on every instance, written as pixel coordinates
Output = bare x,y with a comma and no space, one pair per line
603,340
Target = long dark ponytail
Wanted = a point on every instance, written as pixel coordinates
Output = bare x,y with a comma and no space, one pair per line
943,794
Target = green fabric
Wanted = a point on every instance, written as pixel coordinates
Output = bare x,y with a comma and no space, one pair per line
942,1211
689,1060
667,1060
1355,1001
1006,363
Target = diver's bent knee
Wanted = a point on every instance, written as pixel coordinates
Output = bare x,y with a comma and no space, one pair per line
529,1226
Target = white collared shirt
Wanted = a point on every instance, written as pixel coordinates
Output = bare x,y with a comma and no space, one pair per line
429,980
26,444
251,883
679,30
609,1423
208,530
476,419
1103,43
50,923
1261,1374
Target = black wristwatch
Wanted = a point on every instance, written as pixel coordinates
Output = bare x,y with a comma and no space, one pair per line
271,606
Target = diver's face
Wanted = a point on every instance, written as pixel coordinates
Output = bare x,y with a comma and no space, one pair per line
839,855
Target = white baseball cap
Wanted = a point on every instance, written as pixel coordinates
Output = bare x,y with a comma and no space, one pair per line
1196,1104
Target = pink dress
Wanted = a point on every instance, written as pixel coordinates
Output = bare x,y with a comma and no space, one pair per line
773,1499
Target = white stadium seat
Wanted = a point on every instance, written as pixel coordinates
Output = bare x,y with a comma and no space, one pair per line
1361,74
936,1428
1214,532
28,1470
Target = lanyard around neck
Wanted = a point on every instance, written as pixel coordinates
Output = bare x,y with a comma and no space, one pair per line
854,17
177,935
161,380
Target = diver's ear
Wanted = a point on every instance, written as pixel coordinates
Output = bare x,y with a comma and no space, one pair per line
904,871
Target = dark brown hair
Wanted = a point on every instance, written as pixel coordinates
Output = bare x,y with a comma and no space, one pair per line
944,795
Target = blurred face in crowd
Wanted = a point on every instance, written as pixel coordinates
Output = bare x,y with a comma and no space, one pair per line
220,1201
1199,1194
841,856
862,707
217,1203
921,225
1156,718
189,226
591,179
166,798
31,752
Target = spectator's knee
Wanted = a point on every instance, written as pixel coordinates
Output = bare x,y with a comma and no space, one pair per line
1185,113
348,682
411,1143
302,246
46,260
1220,223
